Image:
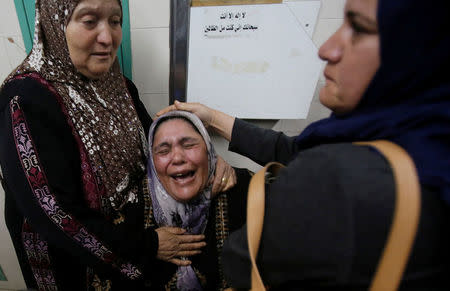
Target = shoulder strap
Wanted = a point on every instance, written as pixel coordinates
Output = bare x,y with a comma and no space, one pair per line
406,217
255,217
404,225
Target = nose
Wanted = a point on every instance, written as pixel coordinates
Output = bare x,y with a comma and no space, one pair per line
105,35
178,156
331,50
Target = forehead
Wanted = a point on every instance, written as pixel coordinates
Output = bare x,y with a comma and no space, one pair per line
178,127
367,8
113,5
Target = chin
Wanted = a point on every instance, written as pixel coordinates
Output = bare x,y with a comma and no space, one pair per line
324,98
101,71
329,99
93,75
98,71
181,197
184,196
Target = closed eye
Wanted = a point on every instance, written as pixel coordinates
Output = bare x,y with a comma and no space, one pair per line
162,152
189,145
116,21
162,149
89,21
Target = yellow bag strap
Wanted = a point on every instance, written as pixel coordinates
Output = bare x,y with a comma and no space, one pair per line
255,217
404,225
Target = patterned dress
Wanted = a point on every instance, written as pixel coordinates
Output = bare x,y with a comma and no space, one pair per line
62,238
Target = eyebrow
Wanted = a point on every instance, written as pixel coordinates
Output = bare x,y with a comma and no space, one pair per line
352,15
188,138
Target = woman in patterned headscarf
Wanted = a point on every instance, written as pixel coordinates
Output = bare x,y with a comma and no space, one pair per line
73,154
182,160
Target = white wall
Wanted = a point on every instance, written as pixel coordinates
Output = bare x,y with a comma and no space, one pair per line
150,48
150,53
11,54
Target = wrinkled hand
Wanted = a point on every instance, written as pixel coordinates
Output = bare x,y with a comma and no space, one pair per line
219,121
203,112
225,177
174,244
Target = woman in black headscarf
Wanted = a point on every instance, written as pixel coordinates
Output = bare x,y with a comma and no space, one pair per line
329,211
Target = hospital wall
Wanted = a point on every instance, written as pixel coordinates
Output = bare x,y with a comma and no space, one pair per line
149,30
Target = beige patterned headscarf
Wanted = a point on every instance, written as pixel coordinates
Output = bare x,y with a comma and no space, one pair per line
101,110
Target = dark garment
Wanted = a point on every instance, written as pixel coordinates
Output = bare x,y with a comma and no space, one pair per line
227,213
61,242
327,218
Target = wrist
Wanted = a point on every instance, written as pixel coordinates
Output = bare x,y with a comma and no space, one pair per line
213,123
222,123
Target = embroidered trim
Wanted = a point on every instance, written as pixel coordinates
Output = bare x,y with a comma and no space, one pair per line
172,284
38,258
222,232
92,187
148,209
200,276
39,186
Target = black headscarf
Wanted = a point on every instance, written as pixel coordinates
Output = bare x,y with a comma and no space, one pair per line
408,101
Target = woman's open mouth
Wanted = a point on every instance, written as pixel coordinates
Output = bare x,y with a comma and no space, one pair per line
183,177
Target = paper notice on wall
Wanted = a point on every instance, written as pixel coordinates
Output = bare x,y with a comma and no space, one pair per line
253,61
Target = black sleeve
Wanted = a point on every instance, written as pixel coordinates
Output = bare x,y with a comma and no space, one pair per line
41,166
329,201
145,118
261,145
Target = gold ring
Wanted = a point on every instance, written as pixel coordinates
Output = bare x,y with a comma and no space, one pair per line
224,180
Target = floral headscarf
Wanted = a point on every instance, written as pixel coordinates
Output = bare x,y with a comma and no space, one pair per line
193,215
102,111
